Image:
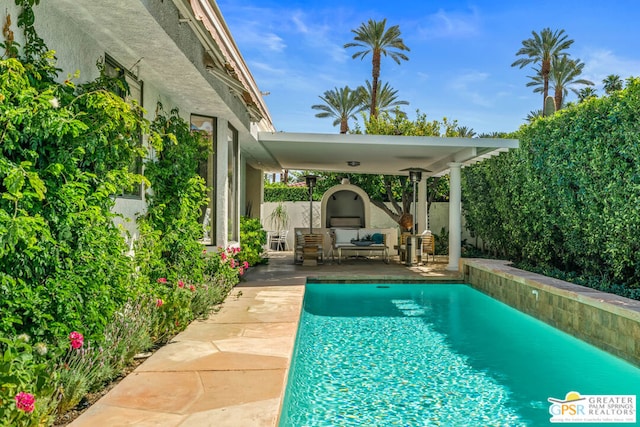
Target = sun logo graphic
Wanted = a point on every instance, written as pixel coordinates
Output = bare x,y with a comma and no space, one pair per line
577,408
572,405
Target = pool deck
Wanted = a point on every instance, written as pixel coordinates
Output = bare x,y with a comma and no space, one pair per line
230,369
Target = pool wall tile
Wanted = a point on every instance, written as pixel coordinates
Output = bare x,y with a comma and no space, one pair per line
607,321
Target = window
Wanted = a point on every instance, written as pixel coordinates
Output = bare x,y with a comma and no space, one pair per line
207,169
132,91
232,183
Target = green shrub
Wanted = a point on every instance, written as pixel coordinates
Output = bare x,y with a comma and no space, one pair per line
64,152
252,238
568,198
278,192
179,193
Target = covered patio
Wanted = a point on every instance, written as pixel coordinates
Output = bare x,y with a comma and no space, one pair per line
386,155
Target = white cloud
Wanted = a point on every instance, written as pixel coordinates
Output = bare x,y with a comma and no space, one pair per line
273,43
466,85
599,63
443,24
252,33
268,68
297,19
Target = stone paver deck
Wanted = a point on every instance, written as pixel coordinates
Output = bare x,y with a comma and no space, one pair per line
230,369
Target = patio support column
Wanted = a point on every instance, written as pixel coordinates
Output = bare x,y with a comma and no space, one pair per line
421,211
455,216
222,183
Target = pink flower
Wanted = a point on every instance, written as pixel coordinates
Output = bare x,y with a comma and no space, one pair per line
233,263
193,288
76,340
223,256
159,302
245,265
162,280
241,271
204,251
25,401
180,284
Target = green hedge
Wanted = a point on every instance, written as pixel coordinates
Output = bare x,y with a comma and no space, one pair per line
279,192
569,198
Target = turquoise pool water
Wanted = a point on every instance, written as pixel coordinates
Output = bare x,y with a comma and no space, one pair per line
441,355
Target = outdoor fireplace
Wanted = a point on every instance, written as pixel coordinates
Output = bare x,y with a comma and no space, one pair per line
345,205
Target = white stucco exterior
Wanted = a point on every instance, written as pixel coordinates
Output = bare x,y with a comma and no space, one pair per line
185,57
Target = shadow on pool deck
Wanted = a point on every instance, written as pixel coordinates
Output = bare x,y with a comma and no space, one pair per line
230,369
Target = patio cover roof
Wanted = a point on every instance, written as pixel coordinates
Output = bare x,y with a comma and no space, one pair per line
377,154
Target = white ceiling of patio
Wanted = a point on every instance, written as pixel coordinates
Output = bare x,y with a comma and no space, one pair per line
376,154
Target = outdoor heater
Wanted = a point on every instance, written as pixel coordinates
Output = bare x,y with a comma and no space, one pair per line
415,176
311,182
414,243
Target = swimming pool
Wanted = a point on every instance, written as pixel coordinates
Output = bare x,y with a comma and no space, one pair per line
414,355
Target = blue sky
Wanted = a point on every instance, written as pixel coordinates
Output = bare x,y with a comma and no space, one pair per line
460,58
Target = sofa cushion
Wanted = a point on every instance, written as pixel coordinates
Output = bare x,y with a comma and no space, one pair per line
344,235
366,233
377,238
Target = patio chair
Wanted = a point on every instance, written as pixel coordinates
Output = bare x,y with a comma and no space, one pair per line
315,241
402,247
303,240
428,246
206,225
279,239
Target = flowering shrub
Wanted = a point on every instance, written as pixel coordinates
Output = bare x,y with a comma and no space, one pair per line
219,278
76,339
25,402
173,312
64,153
27,384
81,368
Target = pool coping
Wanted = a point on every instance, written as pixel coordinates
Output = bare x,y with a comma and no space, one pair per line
608,321
381,279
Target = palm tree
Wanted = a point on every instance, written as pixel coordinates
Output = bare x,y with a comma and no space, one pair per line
386,98
494,134
564,73
373,38
341,104
533,114
586,93
612,83
542,48
465,132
